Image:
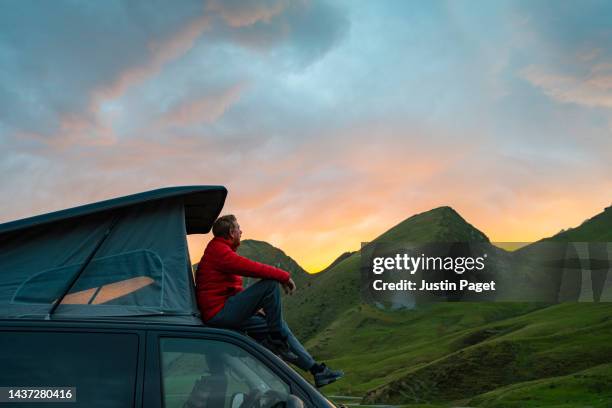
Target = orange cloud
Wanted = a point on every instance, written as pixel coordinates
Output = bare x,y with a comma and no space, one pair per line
81,130
246,13
88,129
75,130
161,53
594,90
205,109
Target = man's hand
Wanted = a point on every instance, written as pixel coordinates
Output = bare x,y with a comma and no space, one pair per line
289,287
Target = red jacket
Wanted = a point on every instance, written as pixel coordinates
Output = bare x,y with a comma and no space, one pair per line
220,272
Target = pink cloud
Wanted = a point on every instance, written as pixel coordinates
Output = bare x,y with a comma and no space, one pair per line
89,129
243,14
161,53
206,109
75,130
592,90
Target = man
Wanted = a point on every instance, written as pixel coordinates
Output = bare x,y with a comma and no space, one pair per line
256,310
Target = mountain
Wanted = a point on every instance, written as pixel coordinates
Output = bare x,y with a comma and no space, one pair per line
337,260
572,265
595,229
482,354
442,224
337,289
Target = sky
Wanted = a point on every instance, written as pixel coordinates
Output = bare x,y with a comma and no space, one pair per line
328,122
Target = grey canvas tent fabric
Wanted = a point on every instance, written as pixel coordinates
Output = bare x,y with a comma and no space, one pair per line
119,258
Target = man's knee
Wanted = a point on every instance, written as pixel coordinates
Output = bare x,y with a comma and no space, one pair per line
269,284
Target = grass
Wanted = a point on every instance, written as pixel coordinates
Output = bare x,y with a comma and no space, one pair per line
588,388
376,347
453,352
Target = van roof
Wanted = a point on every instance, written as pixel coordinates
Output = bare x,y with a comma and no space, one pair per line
118,258
202,205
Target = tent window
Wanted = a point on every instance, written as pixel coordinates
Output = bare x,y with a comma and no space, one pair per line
134,278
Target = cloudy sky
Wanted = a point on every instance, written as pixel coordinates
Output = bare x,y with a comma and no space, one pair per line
328,122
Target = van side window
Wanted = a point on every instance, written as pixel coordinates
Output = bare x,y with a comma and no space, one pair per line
199,373
101,366
133,278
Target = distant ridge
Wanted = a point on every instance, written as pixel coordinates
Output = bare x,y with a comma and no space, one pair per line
588,278
337,261
596,228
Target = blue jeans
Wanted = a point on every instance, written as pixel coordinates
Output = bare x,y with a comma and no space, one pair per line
239,313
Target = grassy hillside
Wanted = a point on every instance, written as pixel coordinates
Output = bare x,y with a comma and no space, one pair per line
337,289
551,342
376,347
338,260
331,293
597,228
572,265
587,388
555,356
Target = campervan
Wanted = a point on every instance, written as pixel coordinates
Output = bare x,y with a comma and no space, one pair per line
98,309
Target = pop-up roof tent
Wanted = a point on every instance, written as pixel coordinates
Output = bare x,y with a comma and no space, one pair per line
124,257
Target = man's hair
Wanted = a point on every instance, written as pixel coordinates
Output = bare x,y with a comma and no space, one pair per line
223,225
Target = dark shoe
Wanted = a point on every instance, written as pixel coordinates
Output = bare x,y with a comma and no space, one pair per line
280,347
327,376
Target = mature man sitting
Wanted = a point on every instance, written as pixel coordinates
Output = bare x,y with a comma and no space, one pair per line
257,310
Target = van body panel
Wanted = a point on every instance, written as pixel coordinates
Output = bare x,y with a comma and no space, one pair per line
147,384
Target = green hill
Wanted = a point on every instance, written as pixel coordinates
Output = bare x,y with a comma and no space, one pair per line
572,265
597,228
337,261
457,354
459,365
587,388
337,289
533,356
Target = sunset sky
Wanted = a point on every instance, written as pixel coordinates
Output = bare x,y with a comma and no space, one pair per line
328,122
